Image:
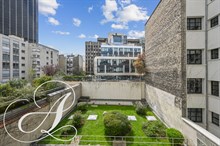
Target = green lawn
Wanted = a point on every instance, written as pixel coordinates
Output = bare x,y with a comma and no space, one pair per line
94,130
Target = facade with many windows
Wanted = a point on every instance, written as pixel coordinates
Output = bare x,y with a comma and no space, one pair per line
13,58
19,18
18,58
116,58
183,67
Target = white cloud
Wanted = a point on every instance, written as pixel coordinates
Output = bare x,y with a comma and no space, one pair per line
108,9
94,37
82,36
124,2
53,21
134,34
61,32
119,26
132,13
48,7
123,13
76,22
90,9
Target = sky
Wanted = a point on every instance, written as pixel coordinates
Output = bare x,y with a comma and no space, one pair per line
65,25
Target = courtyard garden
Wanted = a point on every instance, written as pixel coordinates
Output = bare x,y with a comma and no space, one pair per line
103,124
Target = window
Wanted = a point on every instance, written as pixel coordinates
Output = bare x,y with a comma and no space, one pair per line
194,23
214,21
23,58
22,64
194,85
23,51
214,54
215,118
215,88
22,71
195,114
194,56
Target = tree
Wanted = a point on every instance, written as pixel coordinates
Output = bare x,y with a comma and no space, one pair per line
139,64
50,70
116,124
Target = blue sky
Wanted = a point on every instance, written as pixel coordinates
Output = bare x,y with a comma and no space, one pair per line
66,24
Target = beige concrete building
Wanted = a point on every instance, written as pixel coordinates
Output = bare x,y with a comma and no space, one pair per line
13,58
62,63
18,58
40,56
182,61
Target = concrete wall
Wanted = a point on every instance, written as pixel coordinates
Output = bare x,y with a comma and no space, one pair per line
32,122
113,90
166,108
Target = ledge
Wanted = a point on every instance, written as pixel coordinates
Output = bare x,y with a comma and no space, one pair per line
203,131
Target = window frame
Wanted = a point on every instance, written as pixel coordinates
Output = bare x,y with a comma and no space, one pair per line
196,25
214,22
195,113
196,57
214,54
215,120
215,88
199,90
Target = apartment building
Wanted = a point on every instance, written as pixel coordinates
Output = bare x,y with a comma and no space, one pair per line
182,61
13,58
40,56
74,64
63,63
92,50
116,58
18,58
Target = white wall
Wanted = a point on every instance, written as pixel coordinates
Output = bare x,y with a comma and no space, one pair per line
113,90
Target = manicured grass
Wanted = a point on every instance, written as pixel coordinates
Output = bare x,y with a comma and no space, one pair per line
95,129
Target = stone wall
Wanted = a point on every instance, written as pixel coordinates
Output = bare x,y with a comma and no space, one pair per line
33,121
165,49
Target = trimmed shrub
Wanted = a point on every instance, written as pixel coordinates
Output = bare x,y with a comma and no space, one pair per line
175,136
82,106
139,108
154,129
78,120
116,124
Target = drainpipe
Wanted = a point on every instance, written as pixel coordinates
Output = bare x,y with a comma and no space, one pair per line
206,64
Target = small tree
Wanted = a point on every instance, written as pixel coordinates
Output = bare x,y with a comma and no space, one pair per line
139,64
50,70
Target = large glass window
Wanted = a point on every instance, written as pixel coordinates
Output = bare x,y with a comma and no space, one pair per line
215,118
194,23
194,56
194,85
215,88
195,114
214,21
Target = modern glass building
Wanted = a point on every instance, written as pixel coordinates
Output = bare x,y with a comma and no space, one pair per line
19,18
116,62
